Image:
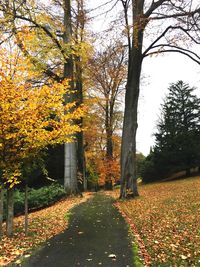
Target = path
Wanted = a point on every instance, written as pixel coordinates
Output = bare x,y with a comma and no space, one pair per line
96,231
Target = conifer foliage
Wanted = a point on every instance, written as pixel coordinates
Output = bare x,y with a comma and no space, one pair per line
178,132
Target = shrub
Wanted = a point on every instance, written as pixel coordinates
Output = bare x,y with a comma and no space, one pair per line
45,196
37,198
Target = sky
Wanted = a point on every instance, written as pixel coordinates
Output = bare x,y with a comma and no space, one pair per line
158,73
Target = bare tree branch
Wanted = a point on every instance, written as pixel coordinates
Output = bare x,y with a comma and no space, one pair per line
178,48
154,6
176,15
156,40
125,6
164,33
176,51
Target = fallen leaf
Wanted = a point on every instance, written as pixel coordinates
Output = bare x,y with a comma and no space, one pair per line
183,257
111,256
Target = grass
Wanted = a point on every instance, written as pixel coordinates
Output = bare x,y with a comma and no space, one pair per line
136,259
166,216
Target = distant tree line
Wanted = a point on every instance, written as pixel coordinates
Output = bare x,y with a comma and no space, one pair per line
177,139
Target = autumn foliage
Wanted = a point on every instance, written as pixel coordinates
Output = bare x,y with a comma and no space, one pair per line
95,138
31,118
108,169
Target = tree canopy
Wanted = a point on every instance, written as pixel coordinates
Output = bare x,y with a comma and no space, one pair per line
31,118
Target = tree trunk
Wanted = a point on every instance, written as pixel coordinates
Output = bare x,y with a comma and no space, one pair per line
109,143
10,212
1,211
128,149
79,36
70,162
26,210
82,183
70,173
109,148
108,183
109,157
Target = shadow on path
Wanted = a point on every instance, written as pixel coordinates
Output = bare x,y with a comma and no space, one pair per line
96,231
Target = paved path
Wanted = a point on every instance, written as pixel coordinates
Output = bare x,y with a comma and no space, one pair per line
96,231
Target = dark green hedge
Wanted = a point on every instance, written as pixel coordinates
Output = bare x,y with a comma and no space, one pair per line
37,198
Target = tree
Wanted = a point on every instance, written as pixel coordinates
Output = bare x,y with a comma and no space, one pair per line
70,159
107,72
95,140
179,128
140,159
180,26
47,39
80,64
31,119
178,132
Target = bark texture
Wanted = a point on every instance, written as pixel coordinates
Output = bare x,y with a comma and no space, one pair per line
70,160
10,212
128,149
70,173
79,38
82,184
26,211
1,211
109,142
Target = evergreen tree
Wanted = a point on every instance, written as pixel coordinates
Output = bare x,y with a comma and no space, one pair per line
178,133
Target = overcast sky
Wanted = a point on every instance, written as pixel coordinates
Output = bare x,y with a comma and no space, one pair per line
158,73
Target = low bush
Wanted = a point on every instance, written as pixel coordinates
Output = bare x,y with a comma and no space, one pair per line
37,198
45,196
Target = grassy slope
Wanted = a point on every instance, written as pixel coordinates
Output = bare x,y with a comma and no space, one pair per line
166,216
